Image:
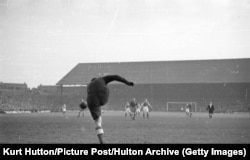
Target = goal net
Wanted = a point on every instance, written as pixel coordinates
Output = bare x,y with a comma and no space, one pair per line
180,106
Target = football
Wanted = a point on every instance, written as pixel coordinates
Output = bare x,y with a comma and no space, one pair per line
83,105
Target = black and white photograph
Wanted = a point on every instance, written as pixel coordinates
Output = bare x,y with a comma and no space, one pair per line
125,72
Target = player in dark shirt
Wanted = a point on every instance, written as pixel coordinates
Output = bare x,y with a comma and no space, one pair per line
97,96
133,107
189,110
210,109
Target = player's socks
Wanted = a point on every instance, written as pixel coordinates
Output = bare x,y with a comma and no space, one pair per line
100,137
99,132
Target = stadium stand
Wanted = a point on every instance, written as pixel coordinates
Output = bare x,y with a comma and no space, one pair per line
225,82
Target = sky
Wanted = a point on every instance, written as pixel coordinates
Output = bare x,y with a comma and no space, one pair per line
42,40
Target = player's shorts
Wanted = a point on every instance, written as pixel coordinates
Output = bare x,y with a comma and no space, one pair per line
145,109
64,110
187,110
127,110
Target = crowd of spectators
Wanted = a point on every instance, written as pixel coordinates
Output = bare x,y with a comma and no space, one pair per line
21,98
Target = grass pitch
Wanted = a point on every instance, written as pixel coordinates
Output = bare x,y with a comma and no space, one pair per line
162,127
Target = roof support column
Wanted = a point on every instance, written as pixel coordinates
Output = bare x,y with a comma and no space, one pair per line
61,94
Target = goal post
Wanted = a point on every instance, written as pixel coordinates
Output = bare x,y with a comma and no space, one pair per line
180,106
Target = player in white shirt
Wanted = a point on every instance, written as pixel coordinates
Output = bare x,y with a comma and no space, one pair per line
145,108
127,109
138,109
189,110
64,108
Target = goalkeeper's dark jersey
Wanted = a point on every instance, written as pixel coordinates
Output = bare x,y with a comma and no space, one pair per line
98,92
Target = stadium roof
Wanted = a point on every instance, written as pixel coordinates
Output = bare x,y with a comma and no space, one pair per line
13,85
191,71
